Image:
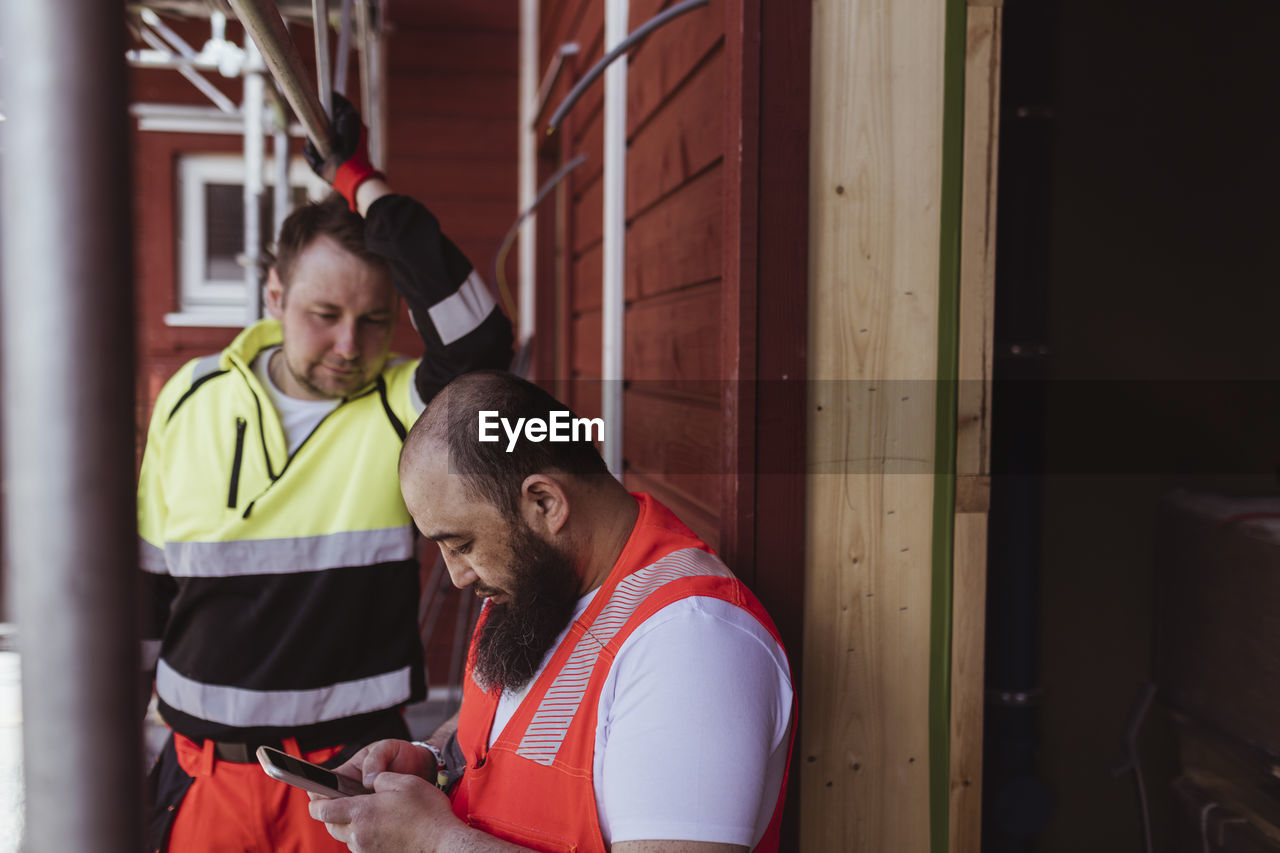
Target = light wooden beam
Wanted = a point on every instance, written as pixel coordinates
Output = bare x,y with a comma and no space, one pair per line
875,193
973,437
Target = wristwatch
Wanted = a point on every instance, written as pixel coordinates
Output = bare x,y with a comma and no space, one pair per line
442,774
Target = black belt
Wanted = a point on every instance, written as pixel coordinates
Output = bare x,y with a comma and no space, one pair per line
382,725
246,753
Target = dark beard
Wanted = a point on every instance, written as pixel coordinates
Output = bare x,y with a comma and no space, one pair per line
515,634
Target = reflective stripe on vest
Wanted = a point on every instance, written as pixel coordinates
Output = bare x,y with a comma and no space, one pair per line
546,731
279,556
236,706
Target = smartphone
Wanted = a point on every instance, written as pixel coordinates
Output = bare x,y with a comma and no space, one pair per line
308,776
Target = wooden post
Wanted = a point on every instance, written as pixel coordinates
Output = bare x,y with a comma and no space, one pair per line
875,196
973,438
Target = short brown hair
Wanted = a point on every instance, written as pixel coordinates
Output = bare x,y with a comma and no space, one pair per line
330,218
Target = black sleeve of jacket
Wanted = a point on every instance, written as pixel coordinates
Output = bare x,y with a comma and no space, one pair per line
428,268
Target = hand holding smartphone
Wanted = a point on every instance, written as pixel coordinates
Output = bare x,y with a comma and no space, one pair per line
308,776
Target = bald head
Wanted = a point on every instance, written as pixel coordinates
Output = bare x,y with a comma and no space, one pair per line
450,426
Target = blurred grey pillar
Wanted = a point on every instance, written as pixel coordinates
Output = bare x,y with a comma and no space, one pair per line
67,357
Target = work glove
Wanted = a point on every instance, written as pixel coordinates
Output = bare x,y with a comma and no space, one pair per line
349,166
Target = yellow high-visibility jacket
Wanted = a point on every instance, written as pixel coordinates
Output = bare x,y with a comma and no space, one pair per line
283,590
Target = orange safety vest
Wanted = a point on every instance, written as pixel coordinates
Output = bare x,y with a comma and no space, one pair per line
534,786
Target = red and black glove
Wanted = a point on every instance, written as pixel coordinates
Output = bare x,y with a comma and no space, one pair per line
349,166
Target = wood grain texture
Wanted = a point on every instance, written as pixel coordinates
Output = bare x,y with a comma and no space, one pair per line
740,225
975,365
968,641
674,339
978,241
678,242
670,55
875,191
682,140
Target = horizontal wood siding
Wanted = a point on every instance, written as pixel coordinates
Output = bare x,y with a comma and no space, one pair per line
673,263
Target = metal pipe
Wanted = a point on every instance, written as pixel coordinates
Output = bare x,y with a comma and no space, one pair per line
500,259
622,46
614,247
185,118
324,81
186,70
153,20
254,94
344,49
528,168
68,418
264,24
549,80
164,59
280,201
373,74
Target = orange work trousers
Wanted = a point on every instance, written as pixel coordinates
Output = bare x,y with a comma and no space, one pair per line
232,807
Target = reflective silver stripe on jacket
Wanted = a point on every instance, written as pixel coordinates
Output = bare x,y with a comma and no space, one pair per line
458,315
236,706
546,732
151,558
287,556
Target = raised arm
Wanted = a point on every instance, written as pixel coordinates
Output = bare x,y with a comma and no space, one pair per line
460,325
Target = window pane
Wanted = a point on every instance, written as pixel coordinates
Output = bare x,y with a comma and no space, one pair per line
224,230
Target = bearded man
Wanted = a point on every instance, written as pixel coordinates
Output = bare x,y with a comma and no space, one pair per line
624,690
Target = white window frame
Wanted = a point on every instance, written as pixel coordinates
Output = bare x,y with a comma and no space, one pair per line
204,301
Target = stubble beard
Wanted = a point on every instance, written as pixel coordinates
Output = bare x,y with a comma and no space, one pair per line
516,634
310,379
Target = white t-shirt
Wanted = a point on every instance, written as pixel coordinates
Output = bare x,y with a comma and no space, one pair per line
695,746
298,417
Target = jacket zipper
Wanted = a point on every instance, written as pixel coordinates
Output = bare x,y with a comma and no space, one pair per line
233,493
248,510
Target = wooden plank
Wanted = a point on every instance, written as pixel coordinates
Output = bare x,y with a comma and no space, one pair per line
684,138
669,56
456,95
978,241
697,517
975,366
739,215
588,227
781,408
430,180
591,143
678,242
560,21
436,137
588,272
874,248
587,335
676,439
471,15
968,647
487,52
675,340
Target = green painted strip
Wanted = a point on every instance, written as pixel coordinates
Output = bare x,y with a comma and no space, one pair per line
945,429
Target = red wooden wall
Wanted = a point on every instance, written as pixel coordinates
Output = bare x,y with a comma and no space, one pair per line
674,271
716,276
715,261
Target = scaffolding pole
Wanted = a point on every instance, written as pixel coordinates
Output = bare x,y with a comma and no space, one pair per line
254,94
68,418
263,23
